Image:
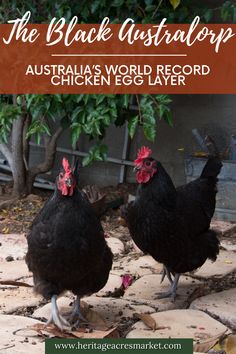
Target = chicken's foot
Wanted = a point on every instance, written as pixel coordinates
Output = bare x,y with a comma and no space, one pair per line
55,316
166,272
76,314
172,292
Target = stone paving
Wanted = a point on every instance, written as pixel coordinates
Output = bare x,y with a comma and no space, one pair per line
198,312
180,324
219,305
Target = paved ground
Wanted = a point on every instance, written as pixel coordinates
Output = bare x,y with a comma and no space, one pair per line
204,307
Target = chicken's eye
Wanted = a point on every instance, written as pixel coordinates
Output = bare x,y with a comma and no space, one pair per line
147,163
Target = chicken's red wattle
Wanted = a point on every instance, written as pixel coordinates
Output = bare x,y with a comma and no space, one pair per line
143,176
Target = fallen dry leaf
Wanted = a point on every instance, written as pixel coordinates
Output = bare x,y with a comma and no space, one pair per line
205,345
231,344
148,320
200,154
43,330
5,230
226,344
53,331
15,283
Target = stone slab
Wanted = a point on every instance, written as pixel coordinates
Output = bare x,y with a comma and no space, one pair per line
146,289
229,244
137,265
13,270
224,228
23,342
180,324
118,232
13,299
116,246
14,245
219,305
114,282
225,264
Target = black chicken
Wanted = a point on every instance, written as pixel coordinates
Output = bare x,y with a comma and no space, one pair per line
172,224
66,247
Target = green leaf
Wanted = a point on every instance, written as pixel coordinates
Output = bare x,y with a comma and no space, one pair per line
19,100
103,149
163,99
97,129
4,137
126,99
106,119
47,105
86,98
95,5
79,98
29,99
37,112
8,113
132,126
96,153
148,2
162,109
208,15
150,8
100,99
76,112
175,3
149,118
113,112
75,133
58,98
117,3
87,160
46,129
37,138
149,131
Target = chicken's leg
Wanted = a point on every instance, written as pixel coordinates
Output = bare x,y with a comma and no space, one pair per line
55,316
166,272
76,313
172,292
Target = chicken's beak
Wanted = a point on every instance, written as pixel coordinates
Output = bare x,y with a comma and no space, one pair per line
136,169
68,182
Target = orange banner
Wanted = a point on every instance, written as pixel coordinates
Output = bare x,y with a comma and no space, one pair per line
125,58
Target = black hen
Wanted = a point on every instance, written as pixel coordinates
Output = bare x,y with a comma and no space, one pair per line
66,247
170,224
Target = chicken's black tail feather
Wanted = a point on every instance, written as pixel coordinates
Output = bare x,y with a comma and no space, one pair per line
212,168
212,244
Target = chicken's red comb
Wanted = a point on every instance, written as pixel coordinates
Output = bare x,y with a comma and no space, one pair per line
66,165
143,153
